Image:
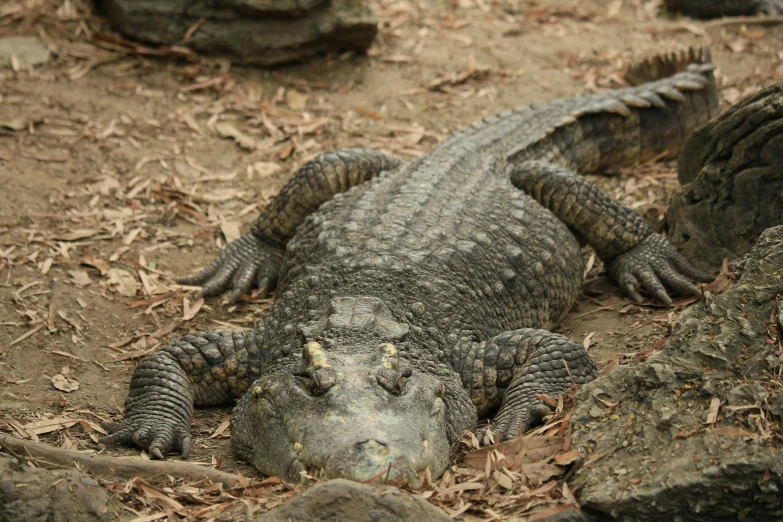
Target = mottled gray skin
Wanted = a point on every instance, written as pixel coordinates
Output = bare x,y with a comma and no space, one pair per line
718,8
420,300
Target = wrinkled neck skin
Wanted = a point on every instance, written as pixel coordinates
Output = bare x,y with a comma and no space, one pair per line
355,404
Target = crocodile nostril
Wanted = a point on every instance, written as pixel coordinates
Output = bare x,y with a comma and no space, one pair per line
370,444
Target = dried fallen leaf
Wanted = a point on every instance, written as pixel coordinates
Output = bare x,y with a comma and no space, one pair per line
220,430
588,338
80,278
723,281
100,264
75,235
189,312
231,230
731,431
14,125
565,459
63,383
265,168
535,448
614,8
295,100
503,480
712,414
226,130
738,45
122,282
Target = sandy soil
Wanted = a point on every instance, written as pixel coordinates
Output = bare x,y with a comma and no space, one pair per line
122,165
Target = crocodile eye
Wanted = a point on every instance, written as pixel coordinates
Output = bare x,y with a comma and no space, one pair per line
305,381
392,381
317,381
264,402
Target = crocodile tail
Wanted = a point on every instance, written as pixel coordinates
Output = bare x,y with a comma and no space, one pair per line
665,65
677,93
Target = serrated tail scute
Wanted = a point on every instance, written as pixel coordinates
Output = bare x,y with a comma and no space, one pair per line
665,65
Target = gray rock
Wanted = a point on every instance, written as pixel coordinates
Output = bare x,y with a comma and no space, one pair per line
655,457
346,501
252,32
39,495
28,50
732,181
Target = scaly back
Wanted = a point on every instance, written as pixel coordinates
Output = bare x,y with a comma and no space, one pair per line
603,131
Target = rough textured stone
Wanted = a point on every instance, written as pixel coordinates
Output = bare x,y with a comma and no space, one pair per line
39,495
733,181
250,32
346,501
654,456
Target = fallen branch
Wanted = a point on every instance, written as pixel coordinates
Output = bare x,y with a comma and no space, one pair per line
123,467
748,20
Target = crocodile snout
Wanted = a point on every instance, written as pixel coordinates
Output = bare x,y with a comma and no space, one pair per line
372,459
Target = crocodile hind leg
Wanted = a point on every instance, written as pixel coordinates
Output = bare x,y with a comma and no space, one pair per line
256,257
635,255
519,365
202,369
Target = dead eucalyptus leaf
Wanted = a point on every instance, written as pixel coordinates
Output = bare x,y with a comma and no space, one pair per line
63,383
122,282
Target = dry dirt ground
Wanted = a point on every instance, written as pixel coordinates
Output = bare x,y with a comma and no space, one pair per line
123,167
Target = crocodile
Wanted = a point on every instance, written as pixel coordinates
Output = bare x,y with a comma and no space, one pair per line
414,299
718,8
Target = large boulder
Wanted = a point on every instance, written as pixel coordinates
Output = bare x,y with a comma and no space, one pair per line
251,32
347,501
732,177
39,495
694,433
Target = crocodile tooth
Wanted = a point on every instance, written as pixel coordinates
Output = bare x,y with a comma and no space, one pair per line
633,100
653,98
670,92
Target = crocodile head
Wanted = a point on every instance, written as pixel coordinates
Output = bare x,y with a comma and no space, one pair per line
364,416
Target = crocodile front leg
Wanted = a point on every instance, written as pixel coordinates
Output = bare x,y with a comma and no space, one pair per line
518,365
202,369
256,257
636,256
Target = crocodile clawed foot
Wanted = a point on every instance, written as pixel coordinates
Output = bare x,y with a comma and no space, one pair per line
246,262
155,435
655,265
512,423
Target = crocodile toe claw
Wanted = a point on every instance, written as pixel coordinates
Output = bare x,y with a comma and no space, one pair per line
656,266
158,436
512,423
242,263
